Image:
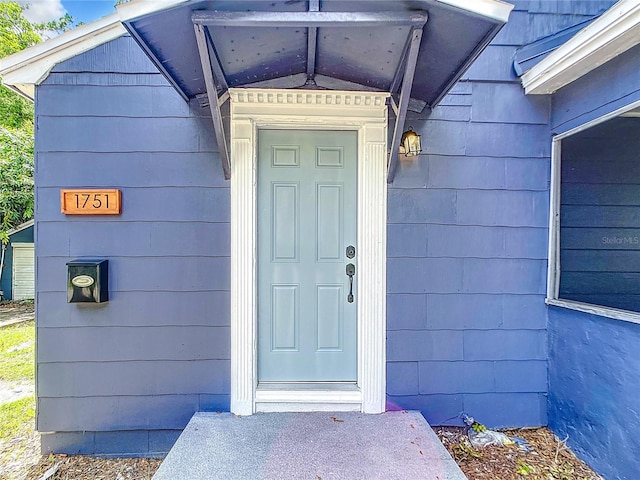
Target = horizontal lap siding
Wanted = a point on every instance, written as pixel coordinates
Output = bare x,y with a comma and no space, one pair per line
131,412
159,349
609,87
594,366
600,213
123,134
148,343
154,169
467,250
162,377
147,238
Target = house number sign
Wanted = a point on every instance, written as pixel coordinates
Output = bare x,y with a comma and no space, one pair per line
90,202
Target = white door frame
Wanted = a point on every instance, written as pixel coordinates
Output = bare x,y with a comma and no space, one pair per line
22,246
366,113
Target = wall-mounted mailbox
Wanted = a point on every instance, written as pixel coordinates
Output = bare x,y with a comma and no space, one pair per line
88,280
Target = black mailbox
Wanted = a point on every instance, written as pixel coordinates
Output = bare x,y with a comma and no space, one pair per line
88,280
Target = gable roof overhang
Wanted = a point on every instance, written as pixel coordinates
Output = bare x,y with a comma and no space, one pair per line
529,55
413,49
614,32
21,227
22,71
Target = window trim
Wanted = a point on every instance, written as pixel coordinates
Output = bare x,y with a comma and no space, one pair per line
554,265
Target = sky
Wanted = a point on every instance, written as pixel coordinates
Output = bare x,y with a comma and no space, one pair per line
84,11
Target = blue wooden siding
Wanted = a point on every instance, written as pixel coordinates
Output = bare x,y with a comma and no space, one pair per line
467,240
600,215
606,89
594,366
23,236
594,398
131,372
568,7
467,246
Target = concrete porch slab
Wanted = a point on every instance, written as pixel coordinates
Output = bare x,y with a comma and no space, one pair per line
308,446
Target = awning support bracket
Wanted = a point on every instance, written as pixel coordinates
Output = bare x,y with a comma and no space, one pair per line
312,19
212,92
397,78
403,104
218,75
312,42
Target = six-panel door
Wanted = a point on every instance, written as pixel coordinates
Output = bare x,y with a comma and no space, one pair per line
306,221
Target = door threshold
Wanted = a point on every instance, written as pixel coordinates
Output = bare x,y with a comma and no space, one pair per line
338,386
345,398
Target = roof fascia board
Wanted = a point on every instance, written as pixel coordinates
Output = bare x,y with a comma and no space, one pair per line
308,19
31,66
467,64
26,90
154,59
22,226
129,11
494,9
616,31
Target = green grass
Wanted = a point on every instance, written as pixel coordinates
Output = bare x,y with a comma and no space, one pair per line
15,415
17,365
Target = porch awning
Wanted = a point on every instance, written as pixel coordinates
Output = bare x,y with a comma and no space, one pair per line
253,44
413,49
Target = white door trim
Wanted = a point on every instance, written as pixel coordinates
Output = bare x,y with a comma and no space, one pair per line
17,292
366,113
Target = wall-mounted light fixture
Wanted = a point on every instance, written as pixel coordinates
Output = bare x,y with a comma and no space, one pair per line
410,143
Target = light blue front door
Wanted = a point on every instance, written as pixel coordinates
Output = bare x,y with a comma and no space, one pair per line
306,222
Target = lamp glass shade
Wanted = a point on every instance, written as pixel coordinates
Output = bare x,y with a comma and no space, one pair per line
411,143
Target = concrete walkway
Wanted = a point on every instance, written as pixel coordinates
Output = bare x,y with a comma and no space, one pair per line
308,446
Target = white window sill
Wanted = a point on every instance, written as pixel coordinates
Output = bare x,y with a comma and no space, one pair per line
609,312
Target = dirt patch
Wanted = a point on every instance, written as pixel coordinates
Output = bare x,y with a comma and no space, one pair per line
20,459
550,458
85,468
16,312
19,454
12,391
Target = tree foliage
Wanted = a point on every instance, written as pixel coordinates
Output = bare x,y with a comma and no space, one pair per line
60,25
16,118
16,32
15,111
16,127
16,178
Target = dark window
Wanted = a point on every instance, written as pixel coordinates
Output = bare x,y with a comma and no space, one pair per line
600,215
